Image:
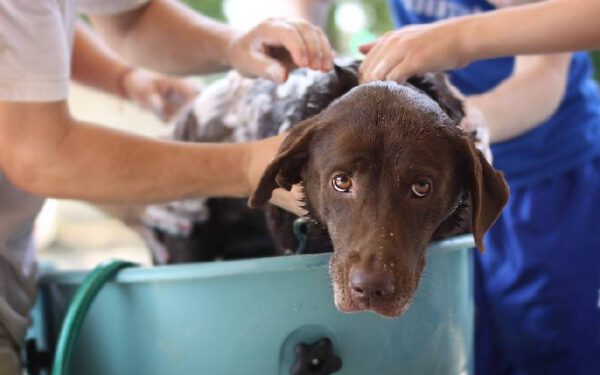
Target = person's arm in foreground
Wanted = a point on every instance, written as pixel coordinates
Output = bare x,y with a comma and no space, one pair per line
45,151
169,37
549,26
95,65
524,100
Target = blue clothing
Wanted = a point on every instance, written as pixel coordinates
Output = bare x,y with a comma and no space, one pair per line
538,283
569,138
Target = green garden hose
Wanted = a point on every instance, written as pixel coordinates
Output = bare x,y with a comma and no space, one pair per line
78,309
299,228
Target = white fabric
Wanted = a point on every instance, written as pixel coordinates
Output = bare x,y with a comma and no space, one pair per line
106,7
35,44
36,39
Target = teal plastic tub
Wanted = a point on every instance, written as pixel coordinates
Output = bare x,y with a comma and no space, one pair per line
250,316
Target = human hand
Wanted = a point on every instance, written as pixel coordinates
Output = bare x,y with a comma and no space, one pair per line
260,154
474,124
276,46
163,95
289,200
414,50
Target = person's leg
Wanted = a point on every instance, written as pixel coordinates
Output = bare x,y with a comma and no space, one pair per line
18,270
488,356
542,275
10,363
17,295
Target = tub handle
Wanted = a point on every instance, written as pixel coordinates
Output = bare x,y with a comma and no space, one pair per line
316,359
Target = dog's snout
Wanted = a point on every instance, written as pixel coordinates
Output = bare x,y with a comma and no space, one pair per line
371,283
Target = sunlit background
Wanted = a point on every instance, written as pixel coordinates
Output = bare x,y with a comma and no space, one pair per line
77,235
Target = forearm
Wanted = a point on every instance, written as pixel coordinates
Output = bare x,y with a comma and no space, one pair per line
115,167
84,161
546,27
527,98
200,45
93,64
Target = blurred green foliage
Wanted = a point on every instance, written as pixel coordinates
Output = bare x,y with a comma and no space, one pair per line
211,8
381,21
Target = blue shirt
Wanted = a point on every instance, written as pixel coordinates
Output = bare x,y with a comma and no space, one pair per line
571,137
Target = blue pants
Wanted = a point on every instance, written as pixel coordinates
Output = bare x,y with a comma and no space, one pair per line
537,285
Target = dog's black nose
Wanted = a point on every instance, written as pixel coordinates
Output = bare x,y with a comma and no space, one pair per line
371,283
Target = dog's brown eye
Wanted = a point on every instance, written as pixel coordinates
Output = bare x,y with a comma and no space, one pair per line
342,183
421,188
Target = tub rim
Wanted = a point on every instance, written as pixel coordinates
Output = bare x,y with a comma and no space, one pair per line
205,270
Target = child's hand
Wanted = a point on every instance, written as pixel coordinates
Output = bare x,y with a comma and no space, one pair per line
276,46
413,50
474,124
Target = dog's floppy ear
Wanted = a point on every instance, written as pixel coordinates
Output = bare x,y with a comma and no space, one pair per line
487,188
437,87
286,169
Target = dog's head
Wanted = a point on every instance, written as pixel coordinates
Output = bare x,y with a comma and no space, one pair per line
385,170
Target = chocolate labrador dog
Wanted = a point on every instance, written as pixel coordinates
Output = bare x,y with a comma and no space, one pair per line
385,170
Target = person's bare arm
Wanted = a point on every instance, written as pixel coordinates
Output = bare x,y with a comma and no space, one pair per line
45,151
545,27
168,36
95,65
527,98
